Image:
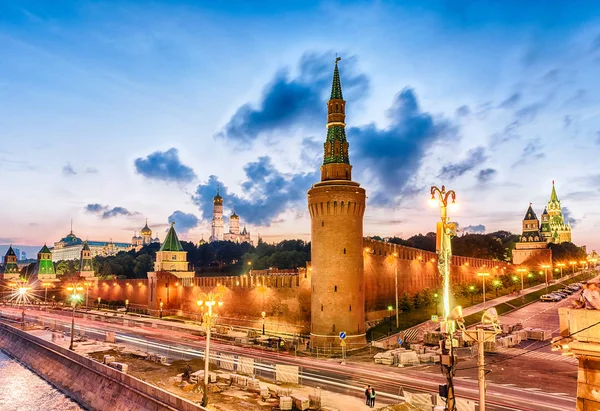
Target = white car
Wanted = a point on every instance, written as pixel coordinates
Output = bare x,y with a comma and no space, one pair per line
549,297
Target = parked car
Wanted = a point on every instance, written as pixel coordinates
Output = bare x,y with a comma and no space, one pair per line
567,290
549,297
574,287
560,294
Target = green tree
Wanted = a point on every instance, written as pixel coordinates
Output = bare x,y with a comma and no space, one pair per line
405,304
497,284
144,264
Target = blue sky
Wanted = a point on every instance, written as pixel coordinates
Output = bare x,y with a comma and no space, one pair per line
113,112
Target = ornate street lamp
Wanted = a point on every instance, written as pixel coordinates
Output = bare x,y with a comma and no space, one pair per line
263,314
75,298
46,286
209,300
560,265
545,267
445,231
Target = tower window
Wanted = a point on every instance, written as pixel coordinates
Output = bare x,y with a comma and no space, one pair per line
333,327
350,308
321,307
322,223
344,251
335,289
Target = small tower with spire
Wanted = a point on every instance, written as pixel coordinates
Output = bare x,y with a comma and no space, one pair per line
234,223
554,227
86,264
217,221
11,269
337,205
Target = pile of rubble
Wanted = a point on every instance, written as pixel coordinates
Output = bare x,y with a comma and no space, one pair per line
417,354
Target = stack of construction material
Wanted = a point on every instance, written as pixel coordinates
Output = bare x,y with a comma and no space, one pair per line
285,403
300,402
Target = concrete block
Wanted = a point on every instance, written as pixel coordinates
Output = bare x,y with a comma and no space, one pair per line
300,402
285,403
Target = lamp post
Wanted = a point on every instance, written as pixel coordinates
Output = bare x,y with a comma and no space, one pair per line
74,300
483,275
126,306
87,292
480,336
23,290
560,265
390,309
209,300
263,314
582,265
46,285
160,312
99,299
573,264
436,298
545,267
445,230
522,271
396,284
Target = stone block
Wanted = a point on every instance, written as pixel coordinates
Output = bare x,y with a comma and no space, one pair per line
285,403
300,402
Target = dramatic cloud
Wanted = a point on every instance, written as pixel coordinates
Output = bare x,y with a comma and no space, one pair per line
522,116
287,102
164,166
474,229
511,102
531,153
68,170
267,193
105,212
184,222
475,158
312,152
463,111
569,217
394,155
486,175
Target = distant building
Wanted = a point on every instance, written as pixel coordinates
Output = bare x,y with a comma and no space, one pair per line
554,228
532,245
17,252
69,248
23,256
144,238
218,225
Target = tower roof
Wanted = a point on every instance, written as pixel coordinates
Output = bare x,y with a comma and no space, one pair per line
234,215
530,214
545,211
146,230
171,241
44,250
86,247
553,196
10,251
218,199
336,86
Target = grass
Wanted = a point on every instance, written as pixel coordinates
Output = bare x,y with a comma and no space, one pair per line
415,317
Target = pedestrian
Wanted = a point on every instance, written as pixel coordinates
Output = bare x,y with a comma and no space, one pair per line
372,397
368,395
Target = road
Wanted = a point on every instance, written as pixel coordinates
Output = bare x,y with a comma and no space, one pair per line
350,378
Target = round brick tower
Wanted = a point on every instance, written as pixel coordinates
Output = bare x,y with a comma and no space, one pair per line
337,206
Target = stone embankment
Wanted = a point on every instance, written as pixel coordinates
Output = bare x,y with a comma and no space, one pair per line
93,385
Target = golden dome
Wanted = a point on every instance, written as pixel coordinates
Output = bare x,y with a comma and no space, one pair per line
146,230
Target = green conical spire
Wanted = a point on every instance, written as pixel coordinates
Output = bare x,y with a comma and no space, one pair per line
44,263
530,214
171,241
45,250
553,196
336,86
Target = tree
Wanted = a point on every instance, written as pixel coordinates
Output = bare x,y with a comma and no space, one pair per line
143,265
418,300
567,252
405,303
496,285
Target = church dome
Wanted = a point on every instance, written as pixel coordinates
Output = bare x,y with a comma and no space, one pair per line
234,215
146,230
71,239
218,199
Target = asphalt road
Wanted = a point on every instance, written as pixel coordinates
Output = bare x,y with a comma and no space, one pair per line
350,378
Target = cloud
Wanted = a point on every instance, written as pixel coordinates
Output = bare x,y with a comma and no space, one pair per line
486,175
569,217
463,111
530,153
288,101
522,116
68,170
475,157
267,193
567,121
164,166
91,170
394,155
311,153
474,229
184,222
106,212
511,102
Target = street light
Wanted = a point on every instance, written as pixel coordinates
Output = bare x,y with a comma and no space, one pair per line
560,265
209,300
483,275
126,306
436,298
545,267
445,230
522,271
23,290
390,309
99,299
480,336
75,298
46,285
160,306
263,314
573,264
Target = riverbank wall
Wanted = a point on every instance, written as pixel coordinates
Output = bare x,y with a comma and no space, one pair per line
93,385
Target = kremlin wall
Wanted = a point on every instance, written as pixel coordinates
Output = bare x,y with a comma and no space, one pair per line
285,295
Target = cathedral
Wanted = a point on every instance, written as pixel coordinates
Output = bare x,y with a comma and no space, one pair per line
144,238
218,225
554,228
536,236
